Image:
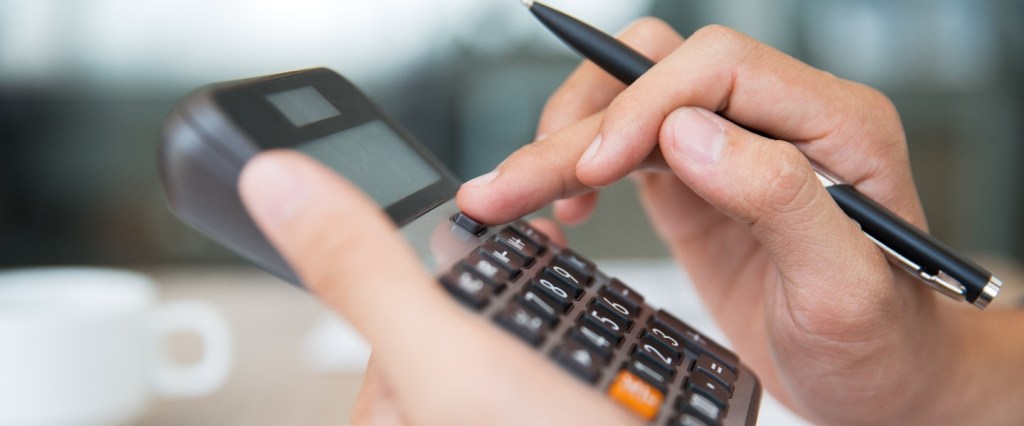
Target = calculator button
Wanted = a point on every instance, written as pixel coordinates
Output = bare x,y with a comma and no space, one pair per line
636,395
652,351
468,287
508,237
536,237
700,406
581,264
713,368
562,294
594,340
617,305
489,268
505,257
467,223
687,419
567,274
523,322
667,339
579,360
703,384
543,305
694,340
631,298
653,376
602,319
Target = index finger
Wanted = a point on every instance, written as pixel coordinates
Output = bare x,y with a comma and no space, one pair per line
531,177
831,120
544,170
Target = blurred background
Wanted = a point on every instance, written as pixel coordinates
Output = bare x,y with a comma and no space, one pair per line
84,86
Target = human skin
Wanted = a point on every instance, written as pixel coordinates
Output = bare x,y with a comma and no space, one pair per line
807,301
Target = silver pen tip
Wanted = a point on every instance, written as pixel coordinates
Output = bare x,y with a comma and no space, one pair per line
988,293
527,3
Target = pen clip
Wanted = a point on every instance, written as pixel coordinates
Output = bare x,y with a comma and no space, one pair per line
940,281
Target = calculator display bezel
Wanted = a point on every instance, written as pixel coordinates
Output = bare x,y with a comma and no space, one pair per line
268,128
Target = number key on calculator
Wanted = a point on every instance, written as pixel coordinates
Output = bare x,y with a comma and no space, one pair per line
601,331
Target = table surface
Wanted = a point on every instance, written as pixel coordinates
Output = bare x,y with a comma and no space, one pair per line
270,383
273,381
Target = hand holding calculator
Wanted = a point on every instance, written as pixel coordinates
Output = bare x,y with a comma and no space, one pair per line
550,297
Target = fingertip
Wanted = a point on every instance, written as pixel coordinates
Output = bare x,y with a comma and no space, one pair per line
576,210
483,180
591,152
483,200
626,137
551,229
596,167
271,189
478,198
695,135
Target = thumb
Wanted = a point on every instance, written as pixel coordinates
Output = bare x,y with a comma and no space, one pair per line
825,263
340,243
440,355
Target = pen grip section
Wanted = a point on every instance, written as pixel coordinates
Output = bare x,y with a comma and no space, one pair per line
930,254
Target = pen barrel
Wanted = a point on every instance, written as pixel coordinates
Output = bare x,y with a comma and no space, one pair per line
930,254
619,60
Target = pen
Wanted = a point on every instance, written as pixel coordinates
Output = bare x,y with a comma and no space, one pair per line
905,245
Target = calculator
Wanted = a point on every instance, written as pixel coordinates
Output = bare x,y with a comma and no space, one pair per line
552,298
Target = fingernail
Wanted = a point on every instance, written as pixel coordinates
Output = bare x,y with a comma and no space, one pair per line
591,152
273,193
484,180
697,137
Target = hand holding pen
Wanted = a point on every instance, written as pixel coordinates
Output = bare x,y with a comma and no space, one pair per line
906,245
833,331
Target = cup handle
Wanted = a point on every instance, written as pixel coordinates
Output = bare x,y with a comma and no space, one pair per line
173,380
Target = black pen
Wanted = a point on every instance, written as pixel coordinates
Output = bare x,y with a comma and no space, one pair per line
905,245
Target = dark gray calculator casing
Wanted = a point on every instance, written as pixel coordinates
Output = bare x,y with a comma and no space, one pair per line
213,132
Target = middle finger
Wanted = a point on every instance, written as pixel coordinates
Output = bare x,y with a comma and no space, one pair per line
590,89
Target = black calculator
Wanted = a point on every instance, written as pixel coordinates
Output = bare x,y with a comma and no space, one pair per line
554,299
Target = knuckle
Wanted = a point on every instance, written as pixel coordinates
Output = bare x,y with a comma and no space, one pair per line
621,113
531,151
557,104
876,101
722,38
734,49
881,123
648,28
535,158
786,185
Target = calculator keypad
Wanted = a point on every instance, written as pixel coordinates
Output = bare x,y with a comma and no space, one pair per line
596,328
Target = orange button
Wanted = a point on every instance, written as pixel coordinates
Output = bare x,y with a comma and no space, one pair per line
635,394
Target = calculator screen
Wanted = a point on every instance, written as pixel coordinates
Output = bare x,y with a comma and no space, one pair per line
376,159
323,115
303,106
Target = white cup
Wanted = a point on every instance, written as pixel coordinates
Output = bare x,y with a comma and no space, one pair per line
88,346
